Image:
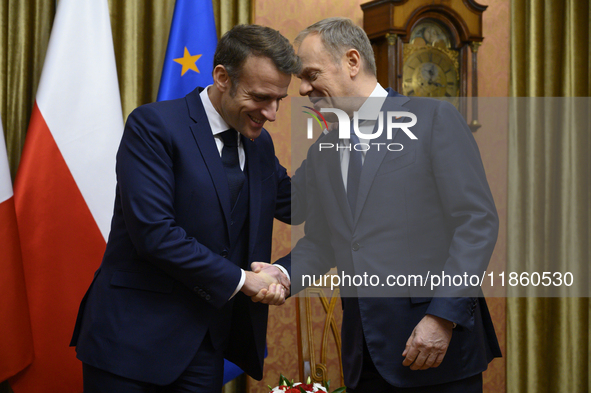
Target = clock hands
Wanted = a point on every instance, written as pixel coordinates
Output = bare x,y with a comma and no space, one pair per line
430,72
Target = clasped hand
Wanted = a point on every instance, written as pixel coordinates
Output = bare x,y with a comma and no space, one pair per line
427,345
266,284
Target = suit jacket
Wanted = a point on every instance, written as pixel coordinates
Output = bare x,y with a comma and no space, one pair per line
426,207
168,270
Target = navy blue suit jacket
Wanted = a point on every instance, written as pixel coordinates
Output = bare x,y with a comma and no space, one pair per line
168,270
425,207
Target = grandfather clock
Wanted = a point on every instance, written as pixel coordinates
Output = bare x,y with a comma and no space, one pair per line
423,47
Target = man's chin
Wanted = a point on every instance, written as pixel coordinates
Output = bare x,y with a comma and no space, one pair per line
251,133
319,102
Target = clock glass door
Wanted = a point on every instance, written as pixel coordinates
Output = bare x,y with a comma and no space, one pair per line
430,65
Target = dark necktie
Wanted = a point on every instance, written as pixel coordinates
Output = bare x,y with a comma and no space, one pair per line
354,172
231,164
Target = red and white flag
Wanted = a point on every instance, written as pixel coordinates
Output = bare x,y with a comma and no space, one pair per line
65,186
16,342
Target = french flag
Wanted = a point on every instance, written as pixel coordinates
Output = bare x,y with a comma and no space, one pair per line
16,342
65,186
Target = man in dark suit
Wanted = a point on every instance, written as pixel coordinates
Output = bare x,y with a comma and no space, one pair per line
198,188
394,207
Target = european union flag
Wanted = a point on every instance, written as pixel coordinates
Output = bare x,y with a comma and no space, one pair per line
231,371
191,45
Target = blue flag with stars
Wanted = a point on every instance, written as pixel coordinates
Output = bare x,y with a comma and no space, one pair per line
189,54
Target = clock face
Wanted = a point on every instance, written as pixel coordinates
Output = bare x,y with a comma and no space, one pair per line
430,72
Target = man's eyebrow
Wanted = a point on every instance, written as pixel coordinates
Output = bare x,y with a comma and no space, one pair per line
307,70
264,96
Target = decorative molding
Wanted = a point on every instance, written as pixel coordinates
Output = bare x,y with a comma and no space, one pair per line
392,38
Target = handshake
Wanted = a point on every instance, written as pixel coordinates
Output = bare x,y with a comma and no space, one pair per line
266,284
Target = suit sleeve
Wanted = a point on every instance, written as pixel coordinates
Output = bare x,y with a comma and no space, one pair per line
312,254
298,195
469,209
283,201
146,183
299,208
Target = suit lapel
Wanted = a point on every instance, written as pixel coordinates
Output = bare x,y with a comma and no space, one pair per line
254,190
374,157
209,151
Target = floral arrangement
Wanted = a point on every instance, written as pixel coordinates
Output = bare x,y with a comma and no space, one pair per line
287,386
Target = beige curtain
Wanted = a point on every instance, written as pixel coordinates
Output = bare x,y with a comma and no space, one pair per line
24,33
549,193
140,34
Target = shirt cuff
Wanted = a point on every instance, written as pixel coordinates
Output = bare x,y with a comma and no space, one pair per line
284,270
240,283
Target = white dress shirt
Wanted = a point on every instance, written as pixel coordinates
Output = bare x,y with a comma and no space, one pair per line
368,115
219,125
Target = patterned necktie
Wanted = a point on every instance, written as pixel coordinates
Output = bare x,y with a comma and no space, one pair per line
354,173
231,164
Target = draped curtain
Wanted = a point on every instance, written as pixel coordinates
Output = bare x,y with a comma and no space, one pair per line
140,35
549,193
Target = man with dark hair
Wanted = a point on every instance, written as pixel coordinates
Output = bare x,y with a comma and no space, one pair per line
403,210
198,187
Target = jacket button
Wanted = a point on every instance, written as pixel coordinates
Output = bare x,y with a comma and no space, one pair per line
196,289
355,246
224,254
207,297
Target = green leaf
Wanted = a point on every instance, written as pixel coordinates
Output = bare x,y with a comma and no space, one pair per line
327,385
284,381
339,390
302,390
269,386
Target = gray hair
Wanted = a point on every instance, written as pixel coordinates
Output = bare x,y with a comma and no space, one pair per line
338,36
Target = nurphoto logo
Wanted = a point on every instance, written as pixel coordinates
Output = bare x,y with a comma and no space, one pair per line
345,128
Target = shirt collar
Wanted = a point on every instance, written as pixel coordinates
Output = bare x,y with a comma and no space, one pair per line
371,108
216,122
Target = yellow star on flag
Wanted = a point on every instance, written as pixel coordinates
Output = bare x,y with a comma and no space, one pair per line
188,62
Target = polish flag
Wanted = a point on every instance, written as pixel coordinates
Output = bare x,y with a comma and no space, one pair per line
16,342
65,186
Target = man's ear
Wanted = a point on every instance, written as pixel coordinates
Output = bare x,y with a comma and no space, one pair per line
221,78
352,60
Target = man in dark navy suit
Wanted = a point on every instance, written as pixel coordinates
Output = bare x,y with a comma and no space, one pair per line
415,206
198,188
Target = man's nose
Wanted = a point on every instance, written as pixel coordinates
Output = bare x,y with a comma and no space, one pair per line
305,87
270,110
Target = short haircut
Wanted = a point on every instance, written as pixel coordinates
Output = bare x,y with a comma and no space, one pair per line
243,41
338,36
